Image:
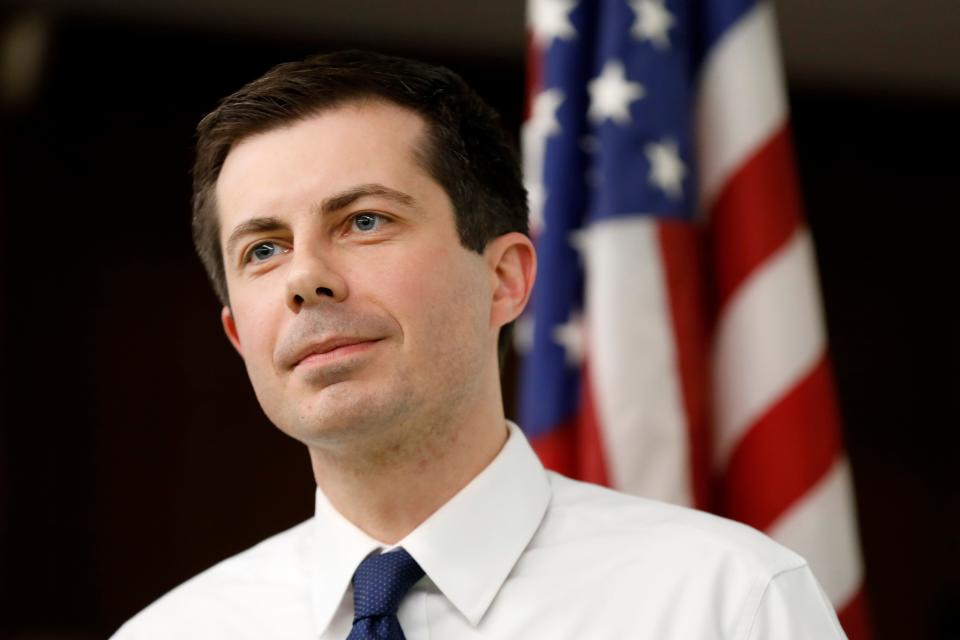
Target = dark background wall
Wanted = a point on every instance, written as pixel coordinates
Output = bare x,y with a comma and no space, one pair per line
132,451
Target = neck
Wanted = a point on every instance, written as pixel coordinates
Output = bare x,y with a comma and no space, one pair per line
389,488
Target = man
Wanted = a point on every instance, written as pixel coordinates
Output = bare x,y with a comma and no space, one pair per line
363,221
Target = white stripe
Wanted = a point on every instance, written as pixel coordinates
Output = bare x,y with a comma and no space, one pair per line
770,334
822,527
633,361
741,100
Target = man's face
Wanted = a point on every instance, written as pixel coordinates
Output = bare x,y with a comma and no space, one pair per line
352,301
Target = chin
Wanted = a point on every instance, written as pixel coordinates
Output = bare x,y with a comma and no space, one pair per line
344,412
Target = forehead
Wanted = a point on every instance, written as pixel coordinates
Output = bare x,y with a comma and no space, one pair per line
289,167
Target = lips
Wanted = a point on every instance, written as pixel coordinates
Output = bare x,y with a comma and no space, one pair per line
329,348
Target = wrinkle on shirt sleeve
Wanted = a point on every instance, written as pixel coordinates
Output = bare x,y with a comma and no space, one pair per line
794,607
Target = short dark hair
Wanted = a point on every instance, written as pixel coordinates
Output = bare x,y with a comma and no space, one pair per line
465,148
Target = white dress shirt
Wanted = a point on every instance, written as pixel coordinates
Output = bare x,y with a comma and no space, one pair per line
520,552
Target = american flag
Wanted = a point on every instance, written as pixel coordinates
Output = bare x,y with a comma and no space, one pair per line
675,347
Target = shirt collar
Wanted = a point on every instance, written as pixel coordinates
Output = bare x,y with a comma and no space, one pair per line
338,547
467,547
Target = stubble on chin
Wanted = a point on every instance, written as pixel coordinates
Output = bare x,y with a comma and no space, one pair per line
366,431
348,412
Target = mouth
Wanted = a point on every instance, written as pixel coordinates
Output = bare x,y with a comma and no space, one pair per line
332,350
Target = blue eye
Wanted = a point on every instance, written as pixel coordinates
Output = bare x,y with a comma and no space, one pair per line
367,221
263,251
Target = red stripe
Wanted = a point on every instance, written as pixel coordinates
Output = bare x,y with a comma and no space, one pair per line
755,214
534,71
682,254
786,452
557,448
574,448
855,619
789,449
591,458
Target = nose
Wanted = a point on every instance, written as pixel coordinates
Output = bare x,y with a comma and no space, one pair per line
313,279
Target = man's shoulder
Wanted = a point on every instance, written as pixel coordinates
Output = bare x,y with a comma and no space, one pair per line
683,573
631,527
265,577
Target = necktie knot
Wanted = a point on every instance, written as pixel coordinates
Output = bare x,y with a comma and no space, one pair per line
381,581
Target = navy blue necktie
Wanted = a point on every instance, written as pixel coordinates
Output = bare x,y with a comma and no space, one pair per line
379,584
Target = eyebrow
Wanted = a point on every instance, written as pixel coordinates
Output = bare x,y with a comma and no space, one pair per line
348,196
328,205
253,225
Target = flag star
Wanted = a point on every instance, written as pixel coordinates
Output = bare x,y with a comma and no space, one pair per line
611,94
652,22
667,170
523,334
578,240
550,19
570,336
543,115
541,124
536,201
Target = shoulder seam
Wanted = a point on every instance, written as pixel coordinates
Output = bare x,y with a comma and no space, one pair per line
763,595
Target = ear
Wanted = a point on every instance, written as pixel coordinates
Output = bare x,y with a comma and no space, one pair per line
230,328
512,261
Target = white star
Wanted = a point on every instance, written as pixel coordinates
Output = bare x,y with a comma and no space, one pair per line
543,115
550,19
578,240
523,334
667,170
536,200
570,336
542,123
652,23
611,94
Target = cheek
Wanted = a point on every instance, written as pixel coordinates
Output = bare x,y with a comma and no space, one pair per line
441,308
256,328
257,331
